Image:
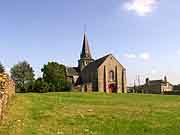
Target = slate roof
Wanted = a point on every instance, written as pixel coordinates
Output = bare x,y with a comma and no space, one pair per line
85,50
157,82
93,66
72,71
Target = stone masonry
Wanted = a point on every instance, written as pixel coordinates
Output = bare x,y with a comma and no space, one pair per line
7,90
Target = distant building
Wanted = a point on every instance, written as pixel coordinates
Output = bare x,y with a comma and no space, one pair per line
105,74
176,88
157,86
72,74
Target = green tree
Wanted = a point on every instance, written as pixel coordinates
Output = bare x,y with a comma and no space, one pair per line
23,74
54,74
2,70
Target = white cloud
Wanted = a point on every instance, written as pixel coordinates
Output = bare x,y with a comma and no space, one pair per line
144,56
130,56
141,7
141,56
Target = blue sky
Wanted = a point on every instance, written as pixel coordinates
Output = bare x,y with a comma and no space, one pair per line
142,34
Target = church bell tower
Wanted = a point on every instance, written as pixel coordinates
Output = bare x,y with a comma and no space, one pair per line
85,57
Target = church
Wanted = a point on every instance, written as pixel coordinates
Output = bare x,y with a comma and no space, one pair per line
105,74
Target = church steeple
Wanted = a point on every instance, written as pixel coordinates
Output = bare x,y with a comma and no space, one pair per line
85,57
85,50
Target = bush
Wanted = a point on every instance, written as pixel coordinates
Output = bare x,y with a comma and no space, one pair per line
28,87
44,88
52,87
40,86
63,85
67,86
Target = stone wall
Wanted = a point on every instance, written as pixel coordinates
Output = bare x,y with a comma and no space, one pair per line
97,77
104,78
7,90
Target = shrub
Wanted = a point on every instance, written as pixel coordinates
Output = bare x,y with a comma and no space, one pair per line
63,85
40,86
52,87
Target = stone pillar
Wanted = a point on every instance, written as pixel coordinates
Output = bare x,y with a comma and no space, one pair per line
104,79
107,84
124,81
117,80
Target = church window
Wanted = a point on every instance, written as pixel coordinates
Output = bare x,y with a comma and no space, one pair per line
111,75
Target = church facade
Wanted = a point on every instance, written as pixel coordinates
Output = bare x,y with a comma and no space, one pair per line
105,74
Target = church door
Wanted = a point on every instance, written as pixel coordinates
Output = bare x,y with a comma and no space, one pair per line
112,88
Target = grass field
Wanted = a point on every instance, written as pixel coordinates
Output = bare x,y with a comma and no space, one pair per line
92,114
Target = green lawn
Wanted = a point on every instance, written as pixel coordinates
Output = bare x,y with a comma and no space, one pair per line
92,114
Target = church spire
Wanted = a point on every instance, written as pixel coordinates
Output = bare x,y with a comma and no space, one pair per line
86,50
85,57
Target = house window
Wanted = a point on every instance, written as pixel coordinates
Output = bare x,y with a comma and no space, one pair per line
111,75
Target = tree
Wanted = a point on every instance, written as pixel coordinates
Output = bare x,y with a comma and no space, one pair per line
54,74
2,70
23,74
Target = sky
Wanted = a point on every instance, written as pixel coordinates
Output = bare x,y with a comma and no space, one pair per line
142,34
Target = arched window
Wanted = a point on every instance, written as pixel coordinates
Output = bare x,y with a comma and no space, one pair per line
111,75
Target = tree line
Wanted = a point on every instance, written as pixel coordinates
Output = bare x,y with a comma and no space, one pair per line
52,80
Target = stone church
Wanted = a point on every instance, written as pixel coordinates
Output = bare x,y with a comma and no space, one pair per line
105,74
